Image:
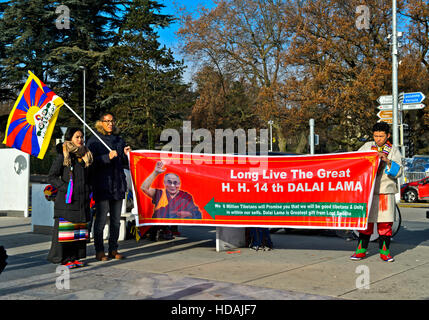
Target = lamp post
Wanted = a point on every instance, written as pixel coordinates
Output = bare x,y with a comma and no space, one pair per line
311,136
84,100
395,117
270,122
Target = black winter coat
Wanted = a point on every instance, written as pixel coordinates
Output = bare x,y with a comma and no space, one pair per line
59,175
107,176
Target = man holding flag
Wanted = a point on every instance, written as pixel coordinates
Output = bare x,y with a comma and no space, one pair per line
108,183
30,126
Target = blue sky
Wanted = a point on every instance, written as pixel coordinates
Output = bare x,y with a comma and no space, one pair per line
167,36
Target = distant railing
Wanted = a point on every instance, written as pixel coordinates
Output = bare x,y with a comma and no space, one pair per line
415,176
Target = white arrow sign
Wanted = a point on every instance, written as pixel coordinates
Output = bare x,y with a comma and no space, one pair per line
390,121
385,114
385,107
411,106
385,99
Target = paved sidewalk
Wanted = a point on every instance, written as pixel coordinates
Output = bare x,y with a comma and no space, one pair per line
304,266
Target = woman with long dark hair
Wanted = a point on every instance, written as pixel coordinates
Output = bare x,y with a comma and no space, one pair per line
69,174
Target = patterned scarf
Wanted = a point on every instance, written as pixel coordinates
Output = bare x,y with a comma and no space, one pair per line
386,148
82,153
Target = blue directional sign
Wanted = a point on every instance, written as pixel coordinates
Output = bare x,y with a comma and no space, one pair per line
413,97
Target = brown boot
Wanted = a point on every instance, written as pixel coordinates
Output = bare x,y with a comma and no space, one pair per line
100,256
115,255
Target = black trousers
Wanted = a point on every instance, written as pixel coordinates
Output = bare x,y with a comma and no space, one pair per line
113,207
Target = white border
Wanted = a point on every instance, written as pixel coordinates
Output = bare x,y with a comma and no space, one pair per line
246,226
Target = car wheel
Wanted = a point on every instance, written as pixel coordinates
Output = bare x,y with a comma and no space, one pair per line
410,195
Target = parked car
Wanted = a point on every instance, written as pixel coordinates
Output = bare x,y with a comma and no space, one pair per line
416,190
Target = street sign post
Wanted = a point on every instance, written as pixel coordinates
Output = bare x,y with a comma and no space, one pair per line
392,114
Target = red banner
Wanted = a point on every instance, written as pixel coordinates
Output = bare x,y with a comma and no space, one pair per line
329,191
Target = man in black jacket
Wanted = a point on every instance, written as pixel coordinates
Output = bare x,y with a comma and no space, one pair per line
108,183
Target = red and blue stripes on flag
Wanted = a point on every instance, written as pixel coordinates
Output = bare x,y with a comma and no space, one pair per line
27,121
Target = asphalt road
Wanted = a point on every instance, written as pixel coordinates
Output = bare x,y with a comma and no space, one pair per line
303,266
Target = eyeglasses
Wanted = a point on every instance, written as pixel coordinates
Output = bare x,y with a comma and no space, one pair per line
108,121
173,183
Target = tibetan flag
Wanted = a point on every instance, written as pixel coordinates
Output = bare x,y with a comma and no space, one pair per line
32,119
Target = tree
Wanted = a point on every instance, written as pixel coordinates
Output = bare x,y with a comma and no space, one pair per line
308,59
414,68
222,103
243,40
25,45
127,71
144,88
340,69
32,40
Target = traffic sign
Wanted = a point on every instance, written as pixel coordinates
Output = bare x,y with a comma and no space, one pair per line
390,121
385,114
410,106
413,106
385,99
385,107
413,97
404,97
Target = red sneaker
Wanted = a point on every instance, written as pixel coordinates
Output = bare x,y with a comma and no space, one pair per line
78,263
70,265
358,256
387,258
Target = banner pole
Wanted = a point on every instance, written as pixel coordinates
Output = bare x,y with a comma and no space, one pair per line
77,116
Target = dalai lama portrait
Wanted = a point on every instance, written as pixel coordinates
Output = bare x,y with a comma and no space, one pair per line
170,202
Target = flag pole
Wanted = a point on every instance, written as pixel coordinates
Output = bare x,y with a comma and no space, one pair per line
77,116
